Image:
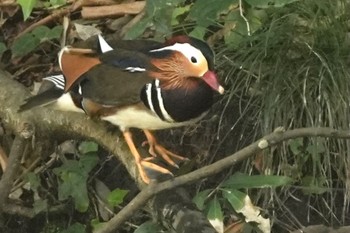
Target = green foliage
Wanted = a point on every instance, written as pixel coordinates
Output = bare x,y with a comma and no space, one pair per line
40,205
33,180
314,185
27,7
148,227
75,228
235,198
96,224
200,198
269,3
158,14
2,48
229,192
291,72
205,16
239,180
30,41
73,180
87,147
116,197
57,2
201,16
214,210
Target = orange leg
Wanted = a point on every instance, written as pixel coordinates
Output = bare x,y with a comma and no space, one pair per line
140,162
155,149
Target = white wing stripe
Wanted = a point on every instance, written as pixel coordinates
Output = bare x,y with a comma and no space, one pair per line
58,80
135,69
161,103
149,96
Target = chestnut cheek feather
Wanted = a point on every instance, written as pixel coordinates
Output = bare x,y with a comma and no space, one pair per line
210,78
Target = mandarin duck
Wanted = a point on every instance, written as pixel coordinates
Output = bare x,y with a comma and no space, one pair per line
136,84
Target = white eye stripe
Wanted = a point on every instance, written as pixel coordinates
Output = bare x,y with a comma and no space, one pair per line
186,49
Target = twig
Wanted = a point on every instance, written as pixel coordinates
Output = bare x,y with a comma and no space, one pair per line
14,209
14,160
132,8
244,18
56,14
99,2
262,144
8,3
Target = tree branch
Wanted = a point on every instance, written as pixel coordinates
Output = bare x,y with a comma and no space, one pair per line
14,160
95,12
270,140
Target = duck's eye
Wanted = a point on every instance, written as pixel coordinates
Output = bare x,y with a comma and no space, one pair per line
193,60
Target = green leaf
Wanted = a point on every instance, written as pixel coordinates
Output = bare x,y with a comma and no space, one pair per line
269,3
27,7
215,214
87,162
295,145
57,2
88,146
116,197
158,13
148,227
314,185
44,33
315,149
138,28
239,180
74,185
75,228
3,48
33,180
198,32
200,198
39,206
205,12
96,224
55,33
74,175
235,198
41,33
24,45
178,11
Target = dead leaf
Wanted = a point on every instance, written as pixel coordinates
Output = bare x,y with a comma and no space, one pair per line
86,31
252,214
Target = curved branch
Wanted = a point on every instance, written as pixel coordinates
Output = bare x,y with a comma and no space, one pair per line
270,140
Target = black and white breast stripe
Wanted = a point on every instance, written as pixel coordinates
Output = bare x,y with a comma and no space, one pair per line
151,95
58,80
